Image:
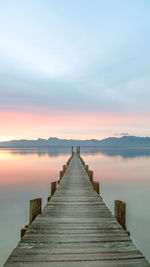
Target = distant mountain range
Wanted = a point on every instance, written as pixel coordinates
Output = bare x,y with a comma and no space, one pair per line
131,141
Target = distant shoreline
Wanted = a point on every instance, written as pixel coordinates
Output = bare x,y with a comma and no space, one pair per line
53,142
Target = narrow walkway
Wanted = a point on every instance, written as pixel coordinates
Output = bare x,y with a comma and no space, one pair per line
75,229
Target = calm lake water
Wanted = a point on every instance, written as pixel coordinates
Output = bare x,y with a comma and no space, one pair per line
25,174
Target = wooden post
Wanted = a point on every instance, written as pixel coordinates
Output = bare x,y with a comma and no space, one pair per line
35,208
87,167
53,187
61,173
83,163
64,168
96,186
120,212
23,230
78,150
48,199
90,174
72,151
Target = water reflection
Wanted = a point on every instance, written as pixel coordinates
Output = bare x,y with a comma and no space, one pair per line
109,151
42,152
119,151
123,173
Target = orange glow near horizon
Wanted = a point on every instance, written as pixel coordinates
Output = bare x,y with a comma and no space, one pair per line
26,168
19,125
17,168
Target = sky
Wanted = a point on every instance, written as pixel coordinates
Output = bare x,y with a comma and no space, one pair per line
74,68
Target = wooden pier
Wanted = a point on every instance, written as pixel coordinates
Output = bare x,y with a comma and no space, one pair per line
76,229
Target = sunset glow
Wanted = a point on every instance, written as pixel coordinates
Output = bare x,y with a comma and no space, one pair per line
74,70
22,171
73,73
20,125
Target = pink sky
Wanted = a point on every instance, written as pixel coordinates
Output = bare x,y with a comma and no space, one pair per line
69,77
17,125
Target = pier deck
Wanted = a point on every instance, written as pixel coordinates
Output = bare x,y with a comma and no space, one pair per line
75,229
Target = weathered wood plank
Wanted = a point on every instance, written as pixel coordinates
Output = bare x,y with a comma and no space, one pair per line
111,263
77,257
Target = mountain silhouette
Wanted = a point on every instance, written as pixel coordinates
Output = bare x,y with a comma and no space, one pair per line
127,141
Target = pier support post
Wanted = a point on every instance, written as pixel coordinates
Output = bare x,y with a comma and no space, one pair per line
64,168
23,230
82,161
48,199
68,162
87,167
72,151
35,208
61,173
120,212
53,187
90,174
78,150
96,186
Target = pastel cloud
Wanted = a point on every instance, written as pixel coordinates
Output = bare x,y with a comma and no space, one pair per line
76,67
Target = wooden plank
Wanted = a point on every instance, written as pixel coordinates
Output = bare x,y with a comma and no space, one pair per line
74,249
77,257
111,263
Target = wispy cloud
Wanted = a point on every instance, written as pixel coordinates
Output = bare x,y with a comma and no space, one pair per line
121,134
77,57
